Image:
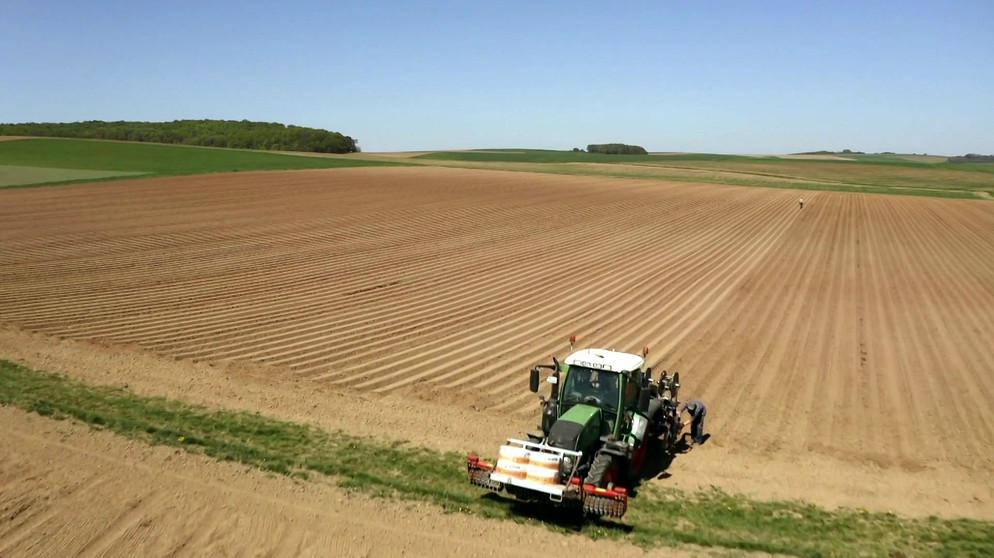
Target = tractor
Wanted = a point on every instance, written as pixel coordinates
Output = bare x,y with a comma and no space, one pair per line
603,411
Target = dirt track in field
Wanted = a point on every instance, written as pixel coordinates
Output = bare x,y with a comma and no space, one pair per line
844,349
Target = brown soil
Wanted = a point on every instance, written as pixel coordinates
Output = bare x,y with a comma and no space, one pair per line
70,491
843,349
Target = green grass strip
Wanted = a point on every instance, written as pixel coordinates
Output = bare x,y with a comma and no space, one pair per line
399,470
553,156
740,179
891,174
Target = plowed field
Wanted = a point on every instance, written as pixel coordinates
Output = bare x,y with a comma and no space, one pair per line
844,349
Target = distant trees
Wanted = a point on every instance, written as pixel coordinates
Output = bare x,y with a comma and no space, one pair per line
239,134
826,152
616,149
972,158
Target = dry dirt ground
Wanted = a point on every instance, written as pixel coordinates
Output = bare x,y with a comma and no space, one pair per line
843,349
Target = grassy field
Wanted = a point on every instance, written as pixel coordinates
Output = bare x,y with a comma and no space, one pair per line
22,162
11,175
119,158
884,173
655,517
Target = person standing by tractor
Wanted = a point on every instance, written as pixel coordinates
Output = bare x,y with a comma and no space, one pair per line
697,411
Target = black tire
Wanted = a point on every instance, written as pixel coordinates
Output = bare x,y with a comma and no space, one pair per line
654,412
597,474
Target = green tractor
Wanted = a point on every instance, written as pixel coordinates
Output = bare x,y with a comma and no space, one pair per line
603,411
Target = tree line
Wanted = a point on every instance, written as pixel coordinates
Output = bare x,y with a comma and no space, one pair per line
237,134
972,158
616,149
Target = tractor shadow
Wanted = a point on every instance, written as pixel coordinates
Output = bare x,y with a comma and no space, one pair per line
556,518
658,460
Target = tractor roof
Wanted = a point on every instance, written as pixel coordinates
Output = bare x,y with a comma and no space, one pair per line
604,359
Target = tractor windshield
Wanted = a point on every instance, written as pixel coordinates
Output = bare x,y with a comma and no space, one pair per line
592,387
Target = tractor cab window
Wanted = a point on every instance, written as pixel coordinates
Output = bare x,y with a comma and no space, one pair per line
632,391
592,387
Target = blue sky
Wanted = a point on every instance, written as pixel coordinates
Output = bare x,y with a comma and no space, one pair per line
708,76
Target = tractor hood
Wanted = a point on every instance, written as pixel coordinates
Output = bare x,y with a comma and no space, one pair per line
576,429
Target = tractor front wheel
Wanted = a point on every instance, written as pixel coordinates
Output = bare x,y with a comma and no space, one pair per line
602,471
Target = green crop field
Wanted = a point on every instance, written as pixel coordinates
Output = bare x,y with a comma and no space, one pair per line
883,173
109,159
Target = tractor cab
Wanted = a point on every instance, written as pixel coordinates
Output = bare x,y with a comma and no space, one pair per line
603,379
590,386
599,379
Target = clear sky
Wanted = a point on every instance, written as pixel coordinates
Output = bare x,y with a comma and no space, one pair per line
728,76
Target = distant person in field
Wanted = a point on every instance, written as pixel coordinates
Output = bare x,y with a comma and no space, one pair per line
697,411
801,203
